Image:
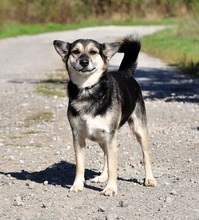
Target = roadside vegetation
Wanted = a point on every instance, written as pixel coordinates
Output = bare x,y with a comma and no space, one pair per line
38,118
177,45
54,85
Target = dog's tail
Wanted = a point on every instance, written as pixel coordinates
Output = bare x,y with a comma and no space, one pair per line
130,46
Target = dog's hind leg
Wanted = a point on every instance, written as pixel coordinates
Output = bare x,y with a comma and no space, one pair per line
104,175
79,147
138,126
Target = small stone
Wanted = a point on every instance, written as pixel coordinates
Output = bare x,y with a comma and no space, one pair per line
101,209
173,192
46,205
45,182
111,216
43,206
193,181
11,157
168,199
68,147
123,204
31,185
18,201
189,160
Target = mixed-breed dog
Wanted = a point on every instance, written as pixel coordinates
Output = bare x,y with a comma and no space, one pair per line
100,102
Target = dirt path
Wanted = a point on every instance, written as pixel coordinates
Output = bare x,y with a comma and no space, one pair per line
36,154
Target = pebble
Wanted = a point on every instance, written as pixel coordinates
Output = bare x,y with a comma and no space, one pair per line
46,205
168,199
123,204
101,209
31,185
173,192
68,147
111,216
45,182
18,201
11,157
189,160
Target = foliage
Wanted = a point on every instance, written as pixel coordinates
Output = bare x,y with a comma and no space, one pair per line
67,11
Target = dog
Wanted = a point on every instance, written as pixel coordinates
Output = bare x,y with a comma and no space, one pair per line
100,102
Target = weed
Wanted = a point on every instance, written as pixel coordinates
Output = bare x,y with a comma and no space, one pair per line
38,118
51,89
39,145
31,132
190,68
15,137
54,85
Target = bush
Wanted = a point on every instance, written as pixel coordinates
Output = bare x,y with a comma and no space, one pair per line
67,11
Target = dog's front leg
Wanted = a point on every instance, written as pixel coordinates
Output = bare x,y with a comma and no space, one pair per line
111,187
79,147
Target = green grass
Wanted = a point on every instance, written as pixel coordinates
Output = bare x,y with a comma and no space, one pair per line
177,45
16,29
51,89
38,118
54,85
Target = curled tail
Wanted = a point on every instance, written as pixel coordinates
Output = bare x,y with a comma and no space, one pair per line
130,46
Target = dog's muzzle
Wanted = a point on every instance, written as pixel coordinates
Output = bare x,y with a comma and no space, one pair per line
84,65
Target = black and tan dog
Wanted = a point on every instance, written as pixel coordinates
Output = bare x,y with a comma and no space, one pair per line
100,102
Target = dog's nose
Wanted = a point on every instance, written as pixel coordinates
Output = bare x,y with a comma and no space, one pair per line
84,62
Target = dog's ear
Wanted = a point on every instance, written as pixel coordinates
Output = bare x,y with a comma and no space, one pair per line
110,49
62,48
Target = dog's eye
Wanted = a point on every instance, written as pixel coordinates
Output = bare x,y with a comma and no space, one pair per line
93,52
76,52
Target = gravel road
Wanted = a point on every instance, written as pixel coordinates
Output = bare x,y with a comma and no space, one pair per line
37,159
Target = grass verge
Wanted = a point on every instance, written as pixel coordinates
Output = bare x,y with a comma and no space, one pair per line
177,45
16,29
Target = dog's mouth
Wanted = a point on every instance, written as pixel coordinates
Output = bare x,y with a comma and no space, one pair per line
84,70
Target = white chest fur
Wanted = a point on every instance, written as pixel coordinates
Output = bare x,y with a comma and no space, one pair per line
94,128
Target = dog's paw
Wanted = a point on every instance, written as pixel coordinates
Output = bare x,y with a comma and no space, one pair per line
77,186
150,182
99,179
110,191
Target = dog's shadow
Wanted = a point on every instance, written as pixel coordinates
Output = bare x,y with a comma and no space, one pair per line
62,174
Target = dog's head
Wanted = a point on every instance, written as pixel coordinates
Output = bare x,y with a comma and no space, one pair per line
86,60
